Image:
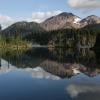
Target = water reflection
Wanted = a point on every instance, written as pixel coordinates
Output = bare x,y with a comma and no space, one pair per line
6,67
37,72
59,62
79,88
50,74
40,73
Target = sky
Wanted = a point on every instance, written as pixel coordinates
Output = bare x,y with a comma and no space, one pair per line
12,11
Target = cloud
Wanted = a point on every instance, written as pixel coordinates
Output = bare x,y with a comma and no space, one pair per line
76,89
84,3
5,20
41,16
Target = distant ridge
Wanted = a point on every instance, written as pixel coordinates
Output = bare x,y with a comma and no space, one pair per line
68,20
63,20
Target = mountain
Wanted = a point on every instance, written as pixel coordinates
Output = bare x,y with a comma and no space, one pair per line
45,33
90,20
22,28
68,20
61,21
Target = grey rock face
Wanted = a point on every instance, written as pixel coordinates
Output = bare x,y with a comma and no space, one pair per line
63,20
68,20
89,20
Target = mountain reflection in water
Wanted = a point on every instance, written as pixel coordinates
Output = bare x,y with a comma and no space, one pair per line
52,63
50,74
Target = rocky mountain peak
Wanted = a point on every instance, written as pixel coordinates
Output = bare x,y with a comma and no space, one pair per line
66,14
90,20
92,16
63,20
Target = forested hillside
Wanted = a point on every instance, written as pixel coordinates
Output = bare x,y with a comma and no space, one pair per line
55,31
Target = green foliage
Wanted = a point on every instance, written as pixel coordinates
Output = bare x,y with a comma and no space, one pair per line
32,32
22,29
12,42
66,37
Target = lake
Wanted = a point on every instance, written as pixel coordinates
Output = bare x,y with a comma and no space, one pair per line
50,74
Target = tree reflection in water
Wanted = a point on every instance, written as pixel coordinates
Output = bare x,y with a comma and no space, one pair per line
60,61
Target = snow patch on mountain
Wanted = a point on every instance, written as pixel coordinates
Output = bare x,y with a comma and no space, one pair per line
77,20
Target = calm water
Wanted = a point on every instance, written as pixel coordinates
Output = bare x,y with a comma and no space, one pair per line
50,74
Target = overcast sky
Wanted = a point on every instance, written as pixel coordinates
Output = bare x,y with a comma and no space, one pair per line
38,10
